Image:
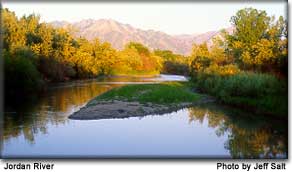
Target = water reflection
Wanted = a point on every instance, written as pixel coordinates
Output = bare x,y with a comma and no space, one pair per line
33,116
242,135
248,137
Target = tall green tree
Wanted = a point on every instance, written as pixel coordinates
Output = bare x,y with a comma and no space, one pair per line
256,38
13,34
200,58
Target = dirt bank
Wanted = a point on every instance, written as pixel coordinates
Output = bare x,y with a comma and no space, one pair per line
95,110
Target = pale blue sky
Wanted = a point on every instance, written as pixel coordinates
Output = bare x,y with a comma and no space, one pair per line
172,18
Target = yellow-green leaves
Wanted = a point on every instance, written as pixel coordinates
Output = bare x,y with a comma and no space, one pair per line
258,41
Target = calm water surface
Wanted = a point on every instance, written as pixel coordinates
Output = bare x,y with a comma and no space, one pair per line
41,128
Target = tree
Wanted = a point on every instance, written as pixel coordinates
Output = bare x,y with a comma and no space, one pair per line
105,56
83,60
13,33
218,54
150,63
22,76
167,55
256,41
173,63
128,61
142,50
250,25
200,58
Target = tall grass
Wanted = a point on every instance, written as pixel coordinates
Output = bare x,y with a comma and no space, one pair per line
262,93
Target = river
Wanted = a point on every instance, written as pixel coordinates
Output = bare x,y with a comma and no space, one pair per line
41,128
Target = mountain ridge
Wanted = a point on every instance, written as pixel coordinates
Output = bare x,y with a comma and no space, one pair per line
119,34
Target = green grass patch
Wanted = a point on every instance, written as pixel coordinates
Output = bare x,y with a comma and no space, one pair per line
163,93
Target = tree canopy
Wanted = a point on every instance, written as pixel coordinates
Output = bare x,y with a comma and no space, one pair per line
46,54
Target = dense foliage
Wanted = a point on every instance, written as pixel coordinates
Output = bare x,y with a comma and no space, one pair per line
36,53
247,68
261,93
259,42
173,63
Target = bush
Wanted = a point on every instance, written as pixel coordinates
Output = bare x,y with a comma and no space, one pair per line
55,71
170,67
21,76
225,70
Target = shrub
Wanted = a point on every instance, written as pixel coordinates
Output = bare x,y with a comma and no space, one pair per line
21,76
170,67
225,70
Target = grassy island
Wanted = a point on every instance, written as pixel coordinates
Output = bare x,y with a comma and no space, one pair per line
140,100
163,93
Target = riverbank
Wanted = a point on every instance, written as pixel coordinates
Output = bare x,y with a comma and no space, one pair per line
141,100
262,94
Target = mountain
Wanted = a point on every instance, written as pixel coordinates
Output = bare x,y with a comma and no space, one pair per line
119,34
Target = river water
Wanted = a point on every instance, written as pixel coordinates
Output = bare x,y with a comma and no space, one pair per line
40,128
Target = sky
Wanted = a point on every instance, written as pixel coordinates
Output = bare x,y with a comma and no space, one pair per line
171,18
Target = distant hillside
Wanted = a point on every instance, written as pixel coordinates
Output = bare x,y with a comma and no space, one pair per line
119,34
